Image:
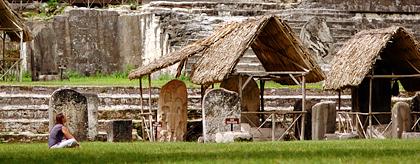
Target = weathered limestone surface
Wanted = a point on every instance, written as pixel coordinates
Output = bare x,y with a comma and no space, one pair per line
119,131
371,5
219,104
227,137
138,37
250,98
96,41
401,119
74,106
316,35
172,112
410,135
92,108
323,119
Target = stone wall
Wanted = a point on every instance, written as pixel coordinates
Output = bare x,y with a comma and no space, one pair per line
368,5
94,40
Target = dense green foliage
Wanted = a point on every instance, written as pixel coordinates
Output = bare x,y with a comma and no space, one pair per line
351,151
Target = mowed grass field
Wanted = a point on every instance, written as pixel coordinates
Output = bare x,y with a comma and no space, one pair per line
351,151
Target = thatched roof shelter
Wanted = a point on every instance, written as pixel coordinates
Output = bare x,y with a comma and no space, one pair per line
394,45
12,23
271,39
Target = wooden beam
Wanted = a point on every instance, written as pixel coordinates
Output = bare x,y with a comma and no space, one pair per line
261,73
302,130
246,82
179,69
393,76
150,110
294,79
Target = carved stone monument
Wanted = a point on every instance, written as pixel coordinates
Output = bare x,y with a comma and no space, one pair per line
323,119
401,119
74,106
172,112
219,104
316,35
250,98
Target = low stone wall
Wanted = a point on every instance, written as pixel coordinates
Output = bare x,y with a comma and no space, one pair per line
398,6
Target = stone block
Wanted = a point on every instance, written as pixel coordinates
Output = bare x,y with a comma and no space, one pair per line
341,136
172,112
74,106
92,108
410,135
119,130
401,119
323,119
219,104
227,137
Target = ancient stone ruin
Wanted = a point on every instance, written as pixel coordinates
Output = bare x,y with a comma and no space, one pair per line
401,119
316,35
80,111
74,106
219,104
119,130
250,98
172,112
323,119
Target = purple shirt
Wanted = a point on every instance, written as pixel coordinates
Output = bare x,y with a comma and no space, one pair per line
56,135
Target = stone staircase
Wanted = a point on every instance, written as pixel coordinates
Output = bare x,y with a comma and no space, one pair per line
24,110
199,19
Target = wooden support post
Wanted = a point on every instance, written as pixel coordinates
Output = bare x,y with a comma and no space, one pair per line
302,129
370,106
141,110
339,100
240,92
152,132
3,52
262,85
22,57
273,127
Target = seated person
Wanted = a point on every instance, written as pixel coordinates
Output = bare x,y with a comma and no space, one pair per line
55,140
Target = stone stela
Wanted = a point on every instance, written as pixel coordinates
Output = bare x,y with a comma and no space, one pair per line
74,106
218,105
172,112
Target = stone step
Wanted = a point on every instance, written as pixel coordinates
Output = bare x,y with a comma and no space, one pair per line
43,90
334,31
24,99
23,137
341,39
24,112
330,23
309,15
30,101
249,67
217,5
24,125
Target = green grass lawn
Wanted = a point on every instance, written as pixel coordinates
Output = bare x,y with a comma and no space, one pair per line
125,82
351,151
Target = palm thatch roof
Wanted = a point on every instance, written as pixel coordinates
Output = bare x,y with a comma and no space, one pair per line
271,39
11,22
354,61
